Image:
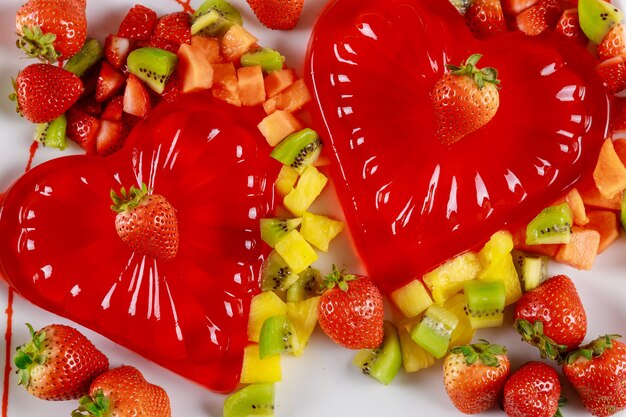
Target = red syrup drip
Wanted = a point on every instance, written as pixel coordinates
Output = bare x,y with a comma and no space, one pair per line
186,5
8,336
412,203
32,151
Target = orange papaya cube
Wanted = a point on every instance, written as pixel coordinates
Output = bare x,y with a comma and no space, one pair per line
610,172
607,224
519,242
291,100
195,70
210,47
592,197
251,85
236,42
581,251
277,81
225,85
577,205
278,125
620,149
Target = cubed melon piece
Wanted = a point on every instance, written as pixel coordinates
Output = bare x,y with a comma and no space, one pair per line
251,85
210,47
592,196
302,315
263,306
308,188
278,81
236,42
286,180
449,278
412,299
257,370
610,173
278,125
292,99
414,358
194,68
581,251
296,251
607,224
577,205
319,230
225,85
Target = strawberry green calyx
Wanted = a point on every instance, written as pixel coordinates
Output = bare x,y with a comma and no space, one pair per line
593,349
127,201
96,406
37,44
339,279
30,355
486,352
533,334
480,76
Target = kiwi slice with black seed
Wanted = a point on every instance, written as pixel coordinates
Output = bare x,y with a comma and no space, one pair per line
214,18
484,303
532,269
272,230
597,18
552,226
253,400
276,274
276,336
384,362
88,56
53,133
307,286
433,332
298,150
153,66
268,59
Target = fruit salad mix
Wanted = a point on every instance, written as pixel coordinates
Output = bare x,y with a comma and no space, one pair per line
95,94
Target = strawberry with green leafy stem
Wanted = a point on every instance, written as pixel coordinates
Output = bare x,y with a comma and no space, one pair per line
533,390
277,14
350,311
51,30
474,376
465,99
552,317
598,372
124,392
59,363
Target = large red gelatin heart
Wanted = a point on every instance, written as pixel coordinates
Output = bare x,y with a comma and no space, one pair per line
411,202
60,249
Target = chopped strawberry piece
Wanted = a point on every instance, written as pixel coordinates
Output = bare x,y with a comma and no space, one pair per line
116,49
109,81
109,139
89,105
515,7
83,129
613,73
485,18
172,88
569,27
277,14
138,24
136,97
174,27
613,44
538,18
161,43
114,109
618,114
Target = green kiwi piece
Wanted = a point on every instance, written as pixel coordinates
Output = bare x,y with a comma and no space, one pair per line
384,362
268,59
552,226
298,150
89,55
272,230
276,274
433,332
532,269
597,17
307,286
153,66
276,336
253,400
484,303
53,133
461,5
214,18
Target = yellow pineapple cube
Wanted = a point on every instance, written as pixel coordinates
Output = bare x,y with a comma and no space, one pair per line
302,315
296,251
319,230
412,299
498,245
286,180
414,357
263,306
497,263
463,333
309,187
257,370
449,278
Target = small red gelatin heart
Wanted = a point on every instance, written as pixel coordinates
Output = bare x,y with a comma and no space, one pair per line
60,249
411,202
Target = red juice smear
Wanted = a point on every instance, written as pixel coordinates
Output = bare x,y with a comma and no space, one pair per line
186,5
32,151
8,335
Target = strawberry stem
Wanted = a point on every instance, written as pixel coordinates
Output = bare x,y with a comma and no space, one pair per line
593,349
339,279
480,76
533,334
127,201
97,406
484,351
30,355
37,44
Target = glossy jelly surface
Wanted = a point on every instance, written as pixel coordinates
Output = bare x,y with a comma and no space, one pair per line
411,202
60,250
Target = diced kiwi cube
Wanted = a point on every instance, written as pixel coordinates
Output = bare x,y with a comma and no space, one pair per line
256,370
253,400
484,303
302,315
552,226
412,299
434,330
153,66
53,133
532,269
89,55
414,358
296,251
597,18
308,188
272,230
306,286
384,362
276,336
319,230
268,59
263,305
299,149
276,275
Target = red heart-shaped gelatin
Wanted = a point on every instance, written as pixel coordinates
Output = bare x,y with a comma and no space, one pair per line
411,202
60,249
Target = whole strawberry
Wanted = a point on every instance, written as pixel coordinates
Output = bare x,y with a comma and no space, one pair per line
350,311
124,392
532,390
277,14
485,18
146,222
44,92
598,372
465,99
51,29
474,376
552,317
58,363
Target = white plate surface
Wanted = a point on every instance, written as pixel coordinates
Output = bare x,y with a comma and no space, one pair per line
322,382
